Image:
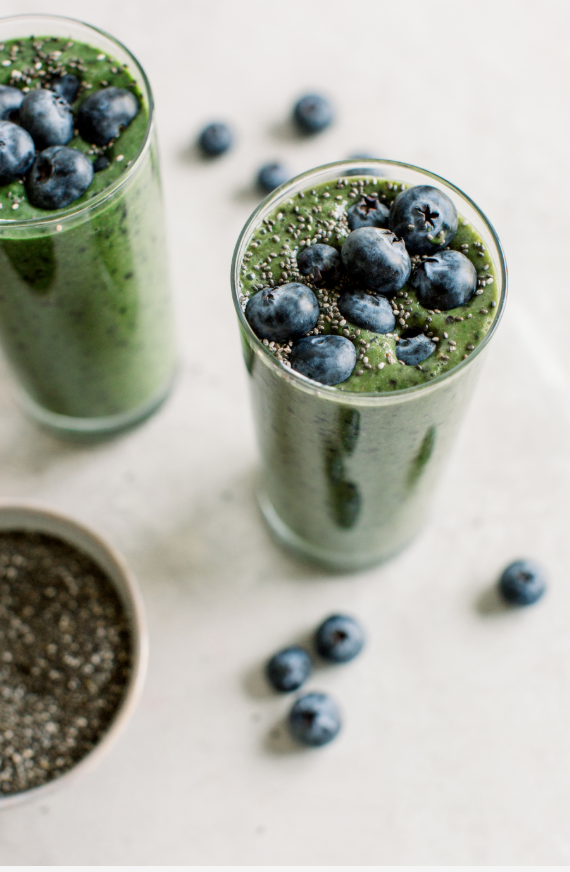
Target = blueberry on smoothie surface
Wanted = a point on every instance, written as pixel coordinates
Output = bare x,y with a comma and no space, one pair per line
376,259
425,218
369,311
368,212
101,163
215,139
313,113
315,719
289,669
17,152
321,263
104,114
414,350
328,360
47,118
523,583
272,175
444,280
286,312
339,639
66,86
10,102
59,175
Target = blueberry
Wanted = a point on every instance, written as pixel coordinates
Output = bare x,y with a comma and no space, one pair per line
65,86
523,583
415,349
104,115
289,669
272,175
325,359
339,639
215,139
444,280
425,218
10,102
47,118
362,171
368,212
286,312
376,259
17,152
101,163
368,311
313,113
58,176
321,263
315,719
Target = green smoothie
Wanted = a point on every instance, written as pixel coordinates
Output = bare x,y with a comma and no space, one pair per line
348,471
85,315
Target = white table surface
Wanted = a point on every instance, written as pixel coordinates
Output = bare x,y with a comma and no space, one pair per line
456,747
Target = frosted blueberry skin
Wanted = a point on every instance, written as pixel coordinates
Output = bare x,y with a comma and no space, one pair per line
368,311
289,669
104,114
59,175
17,152
315,720
368,212
523,583
10,102
47,118
216,139
412,351
66,87
286,312
444,280
328,360
321,263
339,639
425,218
313,113
376,259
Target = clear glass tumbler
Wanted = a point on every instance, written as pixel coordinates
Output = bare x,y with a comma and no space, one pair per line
347,478
85,310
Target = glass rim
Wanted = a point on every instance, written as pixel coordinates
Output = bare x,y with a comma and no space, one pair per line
102,196
332,391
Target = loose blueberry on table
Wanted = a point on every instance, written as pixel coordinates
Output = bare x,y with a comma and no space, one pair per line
339,639
216,139
272,175
523,583
315,719
313,113
289,669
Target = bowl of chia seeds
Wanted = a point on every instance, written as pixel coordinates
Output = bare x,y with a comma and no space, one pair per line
73,649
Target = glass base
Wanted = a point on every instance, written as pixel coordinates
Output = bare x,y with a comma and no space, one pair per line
91,429
335,561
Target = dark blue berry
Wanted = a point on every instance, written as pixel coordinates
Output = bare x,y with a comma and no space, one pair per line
339,639
368,311
412,351
66,86
286,312
315,719
289,669
272,175
17,152
215,139
104,115
10,102
47,118
321,263
328,360
368,212
376,259
58,176
523,583
313,113
425,218
101,163
444,280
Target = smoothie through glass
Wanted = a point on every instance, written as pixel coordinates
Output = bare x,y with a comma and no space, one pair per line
347,474
85,311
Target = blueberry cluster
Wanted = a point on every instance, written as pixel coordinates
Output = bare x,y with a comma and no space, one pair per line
315,718
386,249
35,129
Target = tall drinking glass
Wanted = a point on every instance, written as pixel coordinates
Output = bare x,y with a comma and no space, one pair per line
347,478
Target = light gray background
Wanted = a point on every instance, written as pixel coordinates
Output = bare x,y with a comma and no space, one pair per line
456,748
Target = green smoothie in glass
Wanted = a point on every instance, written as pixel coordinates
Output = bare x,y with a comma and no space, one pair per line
85,312
348,467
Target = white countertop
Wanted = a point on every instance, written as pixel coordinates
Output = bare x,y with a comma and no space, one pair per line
456,747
